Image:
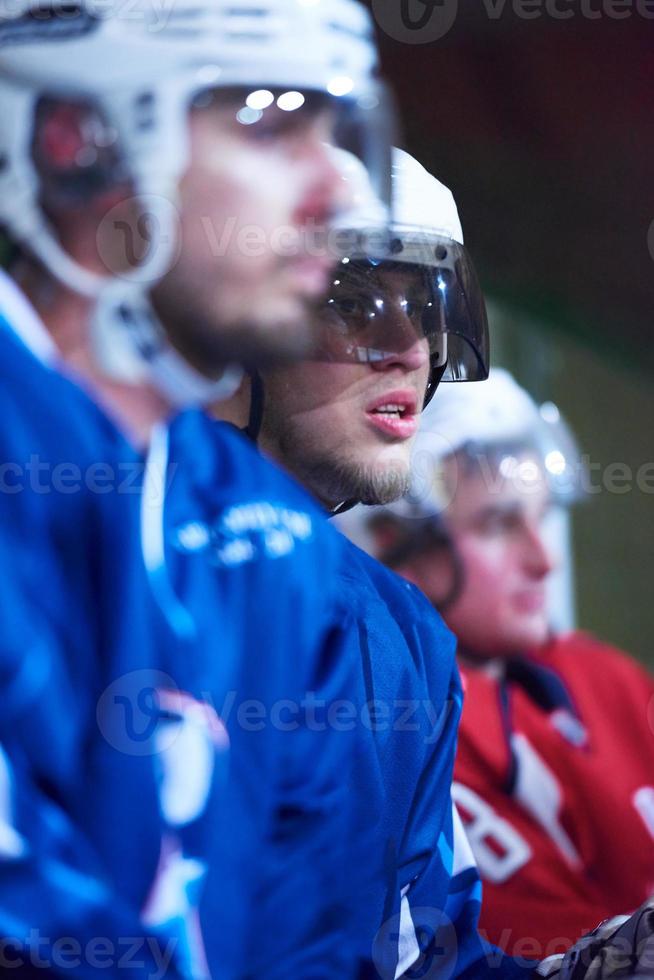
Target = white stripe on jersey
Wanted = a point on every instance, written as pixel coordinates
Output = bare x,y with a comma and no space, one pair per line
408,946
463,857
23,319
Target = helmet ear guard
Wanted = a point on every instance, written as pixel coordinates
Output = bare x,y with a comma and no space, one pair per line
75,152
438,366
400,535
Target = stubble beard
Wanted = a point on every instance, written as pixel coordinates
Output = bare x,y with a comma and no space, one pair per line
335,480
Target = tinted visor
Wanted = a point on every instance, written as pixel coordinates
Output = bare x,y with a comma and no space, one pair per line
379,308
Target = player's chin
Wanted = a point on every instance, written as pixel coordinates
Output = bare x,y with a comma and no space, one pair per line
388,479
393,458
531,632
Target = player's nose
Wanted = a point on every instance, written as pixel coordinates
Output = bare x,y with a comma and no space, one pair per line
538,558
324,191
399,342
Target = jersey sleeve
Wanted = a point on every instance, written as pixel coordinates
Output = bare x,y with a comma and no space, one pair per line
59,908
80,814
440,908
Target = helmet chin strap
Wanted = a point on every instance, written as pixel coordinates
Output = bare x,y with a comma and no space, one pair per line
343,507
131,346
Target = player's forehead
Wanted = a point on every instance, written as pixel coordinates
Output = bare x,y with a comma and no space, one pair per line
389,278
482,484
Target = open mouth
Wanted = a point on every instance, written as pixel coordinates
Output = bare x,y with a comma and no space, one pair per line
394,414
391,410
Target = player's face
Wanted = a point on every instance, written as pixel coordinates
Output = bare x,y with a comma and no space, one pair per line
346,427
497,528
245,280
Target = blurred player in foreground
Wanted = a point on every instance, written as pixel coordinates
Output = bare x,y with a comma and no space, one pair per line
190,128
554,772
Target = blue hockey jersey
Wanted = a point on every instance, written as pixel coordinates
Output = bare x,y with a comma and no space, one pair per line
245,566
249,654
422,910
81,805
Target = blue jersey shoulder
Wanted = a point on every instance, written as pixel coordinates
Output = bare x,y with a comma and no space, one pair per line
50,413
228,502
254,562
417,627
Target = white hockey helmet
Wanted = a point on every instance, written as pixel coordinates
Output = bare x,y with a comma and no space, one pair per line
424,234
141,64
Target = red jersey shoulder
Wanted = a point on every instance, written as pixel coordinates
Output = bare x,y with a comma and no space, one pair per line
601,677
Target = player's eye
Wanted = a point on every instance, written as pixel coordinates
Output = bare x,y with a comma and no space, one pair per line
498,523
417,311
349,314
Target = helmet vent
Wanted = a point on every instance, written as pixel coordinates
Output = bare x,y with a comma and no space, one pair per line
247,12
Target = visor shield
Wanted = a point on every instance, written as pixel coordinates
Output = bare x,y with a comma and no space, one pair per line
379,308
465,320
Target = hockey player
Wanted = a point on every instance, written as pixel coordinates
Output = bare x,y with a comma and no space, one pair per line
553,776
391,328
344,423
95,110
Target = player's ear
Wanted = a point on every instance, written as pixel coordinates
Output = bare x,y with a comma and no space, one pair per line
435,571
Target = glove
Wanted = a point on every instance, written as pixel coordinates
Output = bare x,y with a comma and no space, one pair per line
620,947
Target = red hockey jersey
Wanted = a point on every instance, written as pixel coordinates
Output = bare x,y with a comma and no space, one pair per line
554,781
